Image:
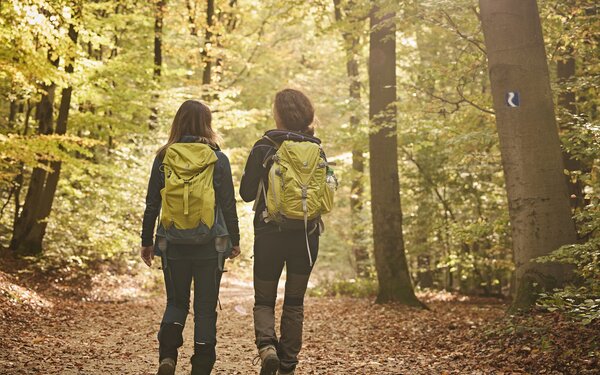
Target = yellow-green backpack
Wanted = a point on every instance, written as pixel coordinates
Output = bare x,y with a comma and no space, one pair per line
188,198
301,185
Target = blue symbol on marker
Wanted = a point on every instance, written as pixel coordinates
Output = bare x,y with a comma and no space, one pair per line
512,99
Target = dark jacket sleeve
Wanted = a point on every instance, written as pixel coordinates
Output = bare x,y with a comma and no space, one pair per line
225,195
253,171
153,203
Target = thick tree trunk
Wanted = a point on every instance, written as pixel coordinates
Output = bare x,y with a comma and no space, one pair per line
359,249
33,200
390,258
531,156
32,237
38,230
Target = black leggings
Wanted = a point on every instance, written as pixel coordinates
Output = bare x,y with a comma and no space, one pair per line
178,279
273,251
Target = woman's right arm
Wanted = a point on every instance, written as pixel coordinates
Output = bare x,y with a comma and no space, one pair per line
153,204
253,172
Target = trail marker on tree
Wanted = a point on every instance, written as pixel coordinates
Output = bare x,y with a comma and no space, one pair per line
513,99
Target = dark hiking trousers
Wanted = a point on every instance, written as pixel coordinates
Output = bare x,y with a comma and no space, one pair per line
178,275
272,251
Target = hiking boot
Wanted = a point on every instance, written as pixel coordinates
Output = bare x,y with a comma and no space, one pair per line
202,364
269,362
166,367
285,372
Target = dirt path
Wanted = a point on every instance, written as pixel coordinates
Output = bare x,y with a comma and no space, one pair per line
342,336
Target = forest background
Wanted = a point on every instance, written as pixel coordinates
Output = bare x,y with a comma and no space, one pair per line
88,90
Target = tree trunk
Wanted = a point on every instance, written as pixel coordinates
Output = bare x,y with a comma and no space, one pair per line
351,46
24,222
158,32
20,177
390,258
12,113
191,8
38,230
425,276
539,209
227,22
208,36
565,69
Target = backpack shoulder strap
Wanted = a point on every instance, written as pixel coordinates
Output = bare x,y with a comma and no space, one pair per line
269,155
261,191
276,144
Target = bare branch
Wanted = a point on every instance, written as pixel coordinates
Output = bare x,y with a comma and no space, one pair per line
470,39
465,100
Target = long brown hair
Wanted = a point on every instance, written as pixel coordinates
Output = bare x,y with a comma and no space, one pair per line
294,111
192,118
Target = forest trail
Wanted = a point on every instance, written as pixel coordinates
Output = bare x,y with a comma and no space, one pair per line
342,336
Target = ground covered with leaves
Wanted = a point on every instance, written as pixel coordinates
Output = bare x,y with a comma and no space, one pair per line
51,326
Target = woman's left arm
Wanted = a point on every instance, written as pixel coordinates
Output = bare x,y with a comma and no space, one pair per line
226,198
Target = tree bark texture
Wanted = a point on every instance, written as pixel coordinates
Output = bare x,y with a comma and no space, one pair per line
43,184
539,209
390,258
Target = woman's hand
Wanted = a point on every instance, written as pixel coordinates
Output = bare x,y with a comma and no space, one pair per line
147,253
235,252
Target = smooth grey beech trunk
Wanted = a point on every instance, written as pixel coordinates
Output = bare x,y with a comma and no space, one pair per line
540,215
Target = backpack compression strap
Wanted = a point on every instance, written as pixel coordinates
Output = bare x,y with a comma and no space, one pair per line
261,189
305,209
261,184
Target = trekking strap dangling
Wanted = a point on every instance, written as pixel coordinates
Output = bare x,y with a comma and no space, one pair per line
305,209
218,285
261,189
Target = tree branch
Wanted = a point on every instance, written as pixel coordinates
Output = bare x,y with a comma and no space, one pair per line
470,39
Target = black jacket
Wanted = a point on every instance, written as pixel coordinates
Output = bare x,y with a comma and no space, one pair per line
224,194
256,169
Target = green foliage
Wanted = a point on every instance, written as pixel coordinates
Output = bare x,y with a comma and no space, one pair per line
453,194
580,300
17,152
568,29
454,201
101,174
359,288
